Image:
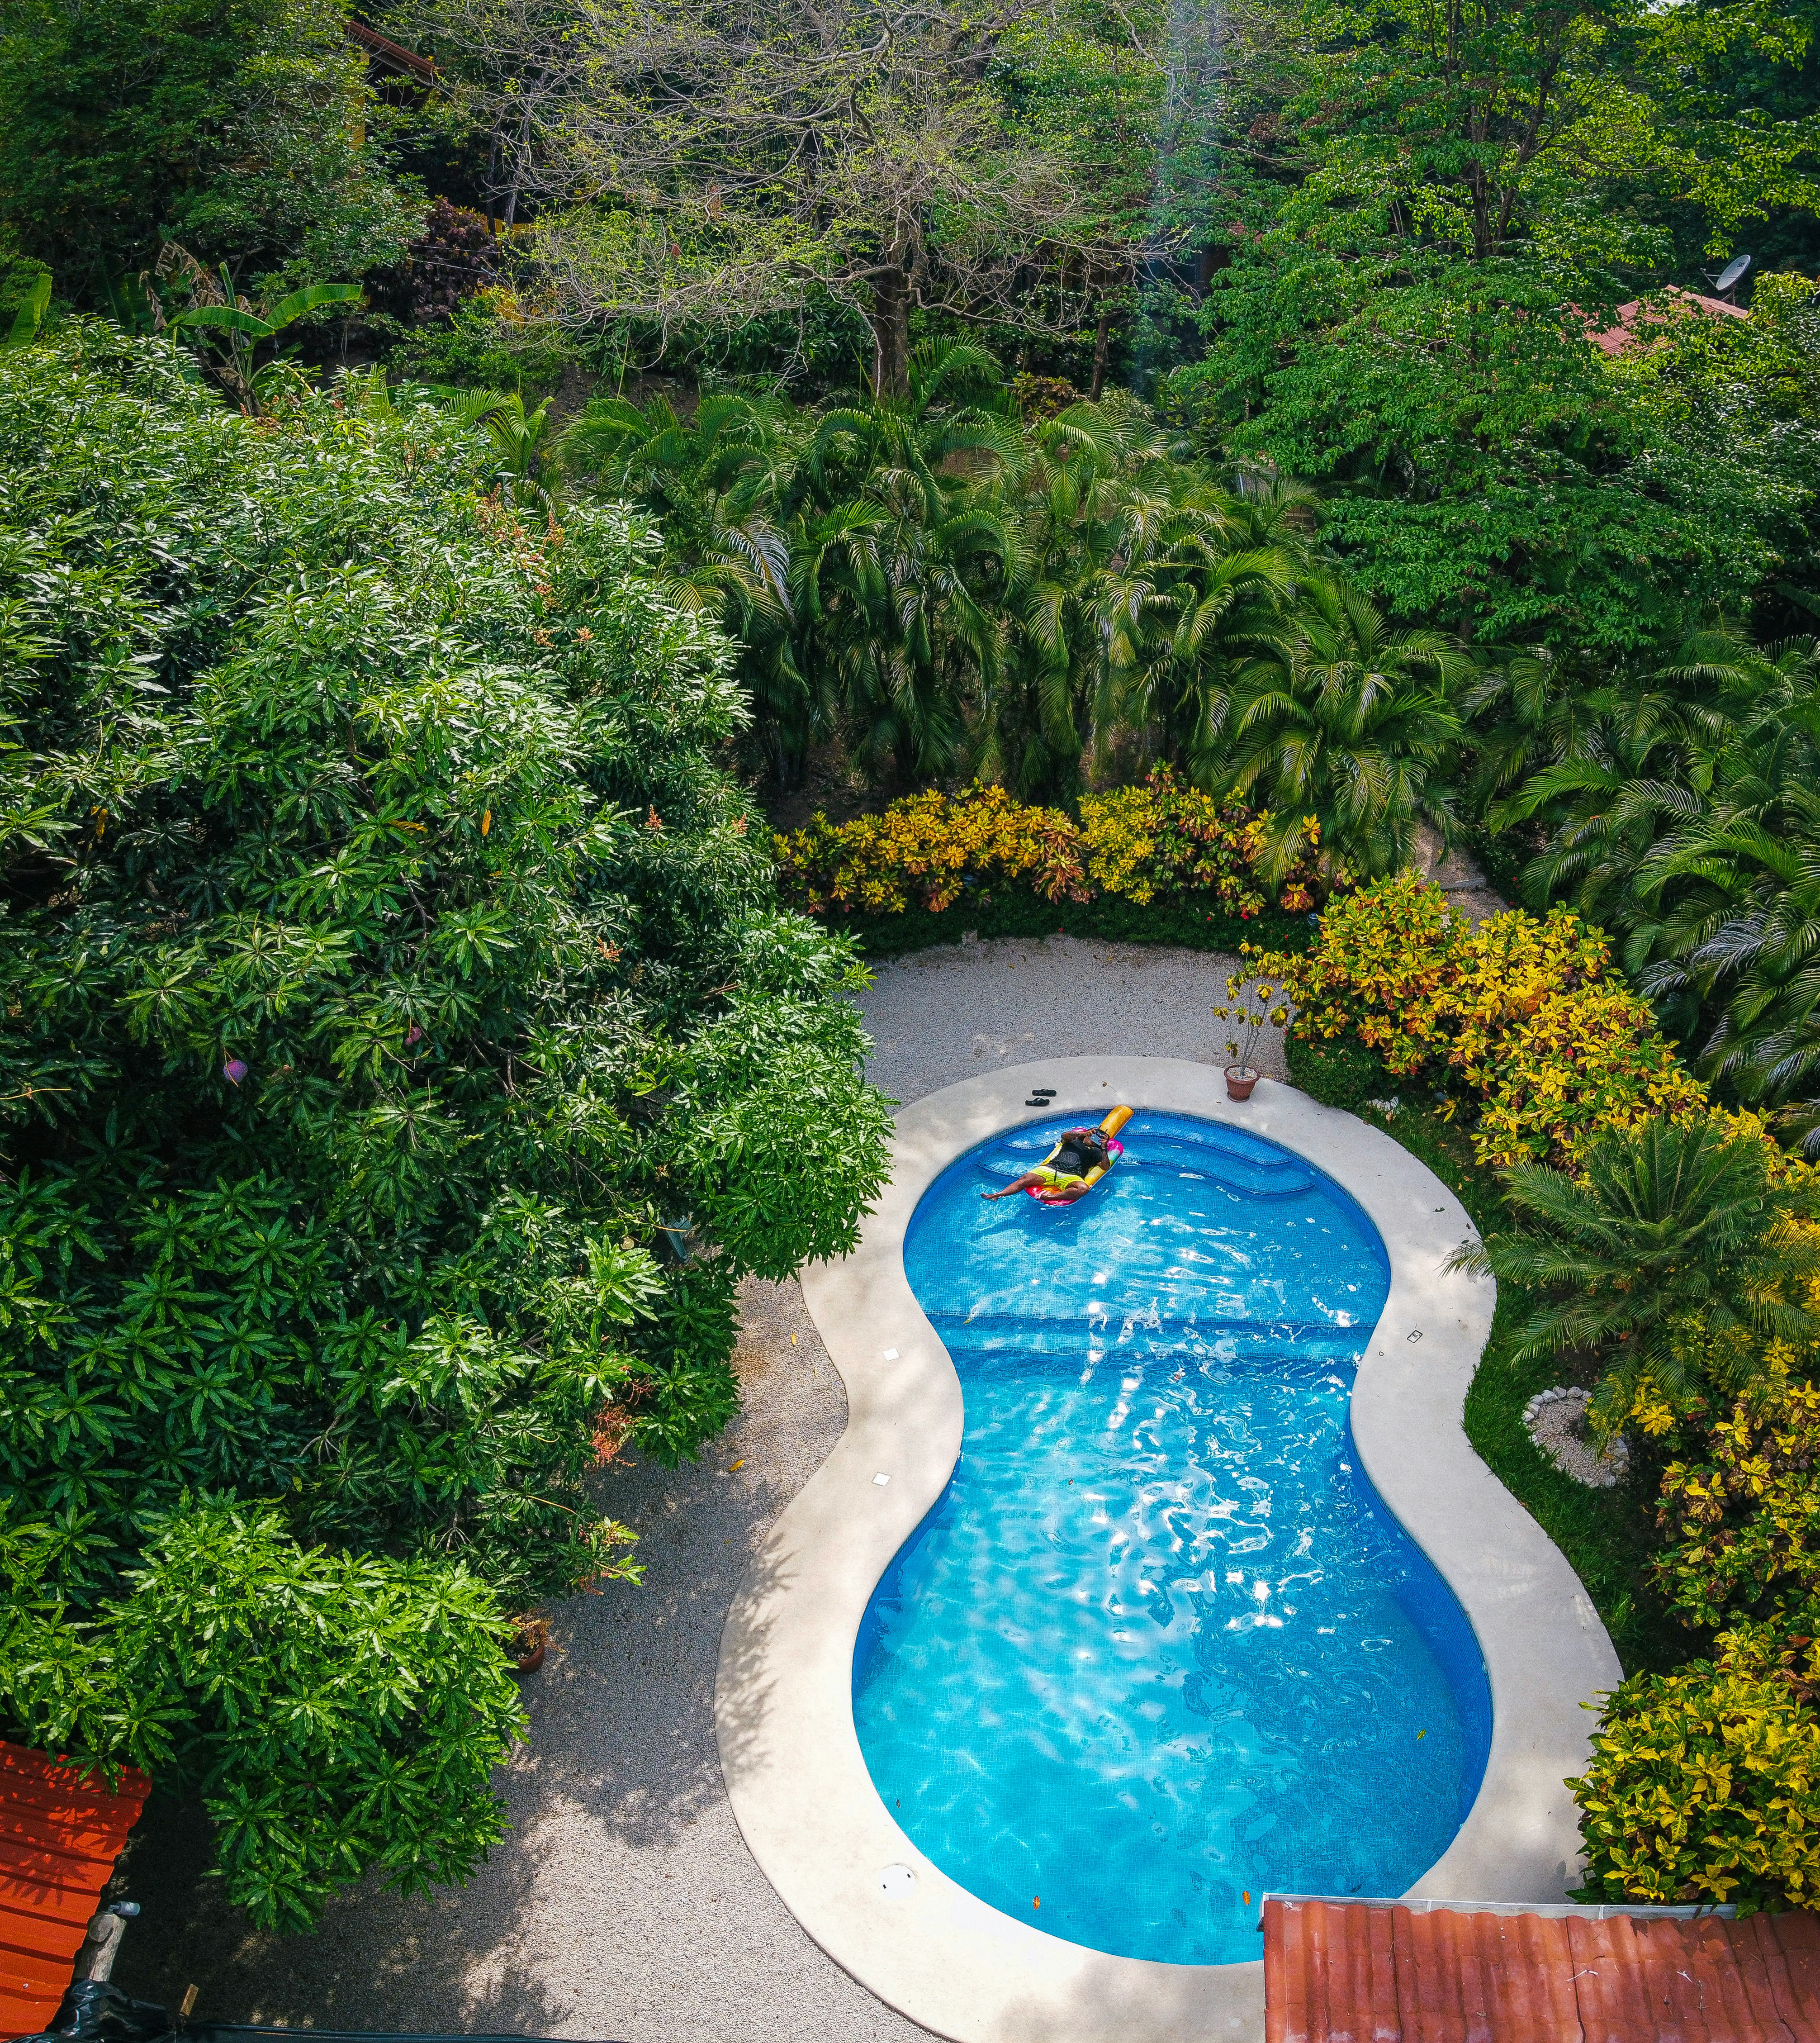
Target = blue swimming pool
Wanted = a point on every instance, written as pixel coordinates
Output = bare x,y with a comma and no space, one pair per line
1159,1645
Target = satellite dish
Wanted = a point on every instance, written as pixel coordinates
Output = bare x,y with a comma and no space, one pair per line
1731,275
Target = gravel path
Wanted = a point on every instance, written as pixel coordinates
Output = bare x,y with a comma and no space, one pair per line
940,1015
624,1904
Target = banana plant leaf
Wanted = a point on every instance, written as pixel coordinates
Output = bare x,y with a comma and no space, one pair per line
26,320
288,308
224,315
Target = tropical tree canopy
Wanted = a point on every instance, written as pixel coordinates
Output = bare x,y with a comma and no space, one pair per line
244,129
386,963
977,159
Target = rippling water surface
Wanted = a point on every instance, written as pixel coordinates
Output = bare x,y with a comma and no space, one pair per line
1159,1645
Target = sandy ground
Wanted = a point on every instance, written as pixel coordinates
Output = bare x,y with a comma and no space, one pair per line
624,1904
939,1015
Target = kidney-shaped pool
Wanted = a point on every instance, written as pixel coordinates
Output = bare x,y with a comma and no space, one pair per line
1159,1647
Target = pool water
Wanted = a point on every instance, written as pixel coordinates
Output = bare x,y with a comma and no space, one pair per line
1159,1646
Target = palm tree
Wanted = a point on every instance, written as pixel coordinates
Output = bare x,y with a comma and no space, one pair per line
1633,765
1182,612
1351,724
520,438
1064,504
1671,1256
855,554
1530,708
720,482
1687,823
890,583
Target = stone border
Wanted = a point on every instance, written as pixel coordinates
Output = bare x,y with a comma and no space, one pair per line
783,1693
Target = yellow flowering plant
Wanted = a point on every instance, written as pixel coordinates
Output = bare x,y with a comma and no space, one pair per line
1136,843
1163,837
931,846
1118,834
1585,1063
1525,1010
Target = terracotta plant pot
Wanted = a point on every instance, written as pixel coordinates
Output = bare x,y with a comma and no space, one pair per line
1239,1080
529,1639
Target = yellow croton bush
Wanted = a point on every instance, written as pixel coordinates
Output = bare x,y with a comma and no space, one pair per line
1137,843
1527,1010
1704,1783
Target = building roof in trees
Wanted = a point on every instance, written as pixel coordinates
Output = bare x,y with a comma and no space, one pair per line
1629,329
59,1836
386,55
1436,1971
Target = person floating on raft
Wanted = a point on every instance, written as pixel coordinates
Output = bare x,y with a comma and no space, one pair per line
1079,1159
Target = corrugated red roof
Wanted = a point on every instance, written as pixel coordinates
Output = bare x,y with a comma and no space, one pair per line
59,1836
394,54
1361,1972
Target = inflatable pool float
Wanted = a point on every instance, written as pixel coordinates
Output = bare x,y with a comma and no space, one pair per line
1109,1127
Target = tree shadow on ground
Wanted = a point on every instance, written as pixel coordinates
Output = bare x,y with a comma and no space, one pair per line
622,1903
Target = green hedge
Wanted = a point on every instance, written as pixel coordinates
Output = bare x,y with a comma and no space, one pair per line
1195,922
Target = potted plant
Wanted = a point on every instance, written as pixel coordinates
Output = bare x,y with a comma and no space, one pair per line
1248,1012
529,1641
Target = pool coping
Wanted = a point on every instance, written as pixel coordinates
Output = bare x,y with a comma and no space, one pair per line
790,1753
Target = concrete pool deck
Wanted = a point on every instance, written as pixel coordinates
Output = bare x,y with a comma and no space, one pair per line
789,1749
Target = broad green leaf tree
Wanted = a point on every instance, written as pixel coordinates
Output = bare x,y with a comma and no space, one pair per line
243,129
387,965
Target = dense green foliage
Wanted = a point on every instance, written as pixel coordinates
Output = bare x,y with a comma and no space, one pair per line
1488,467
385,959
339,1711
957,589
238,127
1674,800
1434,206
1675,1253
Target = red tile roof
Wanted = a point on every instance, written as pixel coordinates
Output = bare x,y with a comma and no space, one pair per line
1633,319
1339,1971
59,1836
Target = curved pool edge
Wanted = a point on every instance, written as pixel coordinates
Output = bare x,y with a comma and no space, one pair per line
790,1753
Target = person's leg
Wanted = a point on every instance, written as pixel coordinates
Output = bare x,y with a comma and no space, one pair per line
1017,1185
